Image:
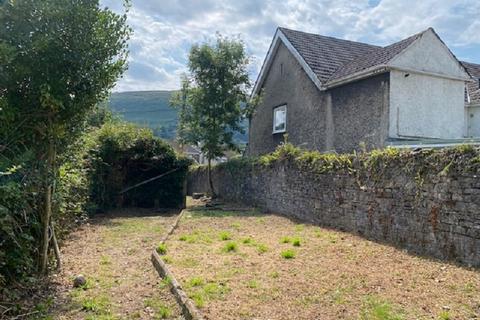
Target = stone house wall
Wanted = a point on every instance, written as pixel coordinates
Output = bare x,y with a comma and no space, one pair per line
340,119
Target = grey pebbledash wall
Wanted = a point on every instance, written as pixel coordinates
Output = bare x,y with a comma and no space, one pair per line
426,211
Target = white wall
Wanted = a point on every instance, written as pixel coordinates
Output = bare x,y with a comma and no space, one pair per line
472,116
429,54
426,106
427,91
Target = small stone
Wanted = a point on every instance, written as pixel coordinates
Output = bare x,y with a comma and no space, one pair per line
79,281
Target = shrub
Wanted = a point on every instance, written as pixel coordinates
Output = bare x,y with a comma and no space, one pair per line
123,155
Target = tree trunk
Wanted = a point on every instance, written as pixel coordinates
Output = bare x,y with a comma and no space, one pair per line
47,208
210,181
55,247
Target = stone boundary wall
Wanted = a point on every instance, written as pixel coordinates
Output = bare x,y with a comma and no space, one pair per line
408,201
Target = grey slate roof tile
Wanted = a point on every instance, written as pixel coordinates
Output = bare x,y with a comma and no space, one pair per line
324,54
331,58
379,56
473,87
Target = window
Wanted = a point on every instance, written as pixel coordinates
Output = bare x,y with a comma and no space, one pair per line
280,119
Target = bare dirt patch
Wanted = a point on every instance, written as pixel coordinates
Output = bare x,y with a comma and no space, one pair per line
244,265
113,253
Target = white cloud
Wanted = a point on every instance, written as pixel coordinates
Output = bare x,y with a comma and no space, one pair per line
164,30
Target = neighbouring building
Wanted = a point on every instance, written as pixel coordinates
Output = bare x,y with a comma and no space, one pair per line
337,95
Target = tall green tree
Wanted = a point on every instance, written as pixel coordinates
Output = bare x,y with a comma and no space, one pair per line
58,59
211,98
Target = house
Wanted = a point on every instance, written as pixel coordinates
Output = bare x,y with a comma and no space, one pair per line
196,154
331,94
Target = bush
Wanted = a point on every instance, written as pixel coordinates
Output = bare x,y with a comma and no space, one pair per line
123,155
18,226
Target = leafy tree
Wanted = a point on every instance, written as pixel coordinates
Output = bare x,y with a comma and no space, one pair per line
58,59
212,97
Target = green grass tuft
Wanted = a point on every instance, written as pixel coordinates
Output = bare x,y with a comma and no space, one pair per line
262,248
225,235
196,282
247,240
252,284
161,310
285,240
376,309
162,248
230,247
296,242
288,254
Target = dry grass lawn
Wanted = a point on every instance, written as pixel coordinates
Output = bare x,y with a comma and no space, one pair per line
247,265
113,253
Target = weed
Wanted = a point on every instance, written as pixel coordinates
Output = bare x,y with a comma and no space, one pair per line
376,309
225,235
196,282
274,274
166,282
299,227
96,304
215,290
162,248
262,248
296,242
230,247
198,299
236,225
285,240
183,237
167,259
105,260
288,254
445,315
247,240
161,310
252,284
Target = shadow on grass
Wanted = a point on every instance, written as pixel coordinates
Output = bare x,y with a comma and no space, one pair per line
126,213
198,212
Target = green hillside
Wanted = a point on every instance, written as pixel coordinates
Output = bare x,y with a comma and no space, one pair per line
151,109
147,108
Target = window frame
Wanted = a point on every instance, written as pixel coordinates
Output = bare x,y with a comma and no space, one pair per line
276,109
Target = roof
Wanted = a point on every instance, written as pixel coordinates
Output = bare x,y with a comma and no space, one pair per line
379,56
325,55
473,88
333,60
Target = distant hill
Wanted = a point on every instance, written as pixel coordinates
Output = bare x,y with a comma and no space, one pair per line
148,109
151,109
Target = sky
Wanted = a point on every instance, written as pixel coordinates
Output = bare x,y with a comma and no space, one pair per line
164,30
